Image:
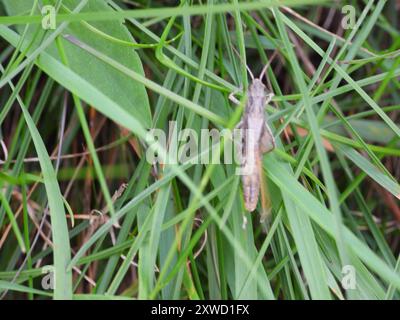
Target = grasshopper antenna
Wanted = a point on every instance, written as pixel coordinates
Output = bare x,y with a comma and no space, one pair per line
267,65
247,68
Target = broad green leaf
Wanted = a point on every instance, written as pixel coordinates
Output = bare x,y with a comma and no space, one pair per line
128,94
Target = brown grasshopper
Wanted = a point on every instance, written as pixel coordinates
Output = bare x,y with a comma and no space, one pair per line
256,138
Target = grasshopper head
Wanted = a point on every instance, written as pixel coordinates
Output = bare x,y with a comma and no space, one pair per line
257,88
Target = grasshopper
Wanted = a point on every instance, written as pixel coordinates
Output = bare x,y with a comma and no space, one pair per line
255,139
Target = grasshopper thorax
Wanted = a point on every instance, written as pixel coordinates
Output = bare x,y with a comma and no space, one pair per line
256,97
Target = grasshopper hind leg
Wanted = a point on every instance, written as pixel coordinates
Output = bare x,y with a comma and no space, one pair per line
267,140
251,190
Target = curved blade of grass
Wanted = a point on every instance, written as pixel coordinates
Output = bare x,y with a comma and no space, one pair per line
386,182
61,251
148,256
59,228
